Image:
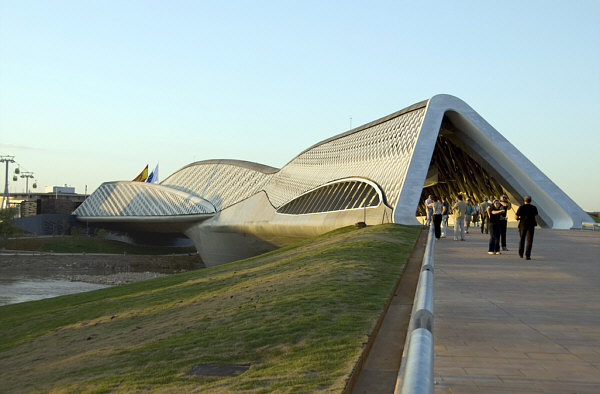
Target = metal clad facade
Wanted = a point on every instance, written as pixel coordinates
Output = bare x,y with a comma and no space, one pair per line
141,199
222,184
380,153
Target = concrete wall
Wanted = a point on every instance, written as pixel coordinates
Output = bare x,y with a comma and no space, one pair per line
253,226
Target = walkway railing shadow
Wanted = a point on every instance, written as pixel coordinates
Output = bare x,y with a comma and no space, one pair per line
416,370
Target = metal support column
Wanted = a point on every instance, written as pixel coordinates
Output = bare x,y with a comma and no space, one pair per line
5,197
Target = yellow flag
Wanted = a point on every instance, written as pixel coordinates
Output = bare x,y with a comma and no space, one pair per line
143,175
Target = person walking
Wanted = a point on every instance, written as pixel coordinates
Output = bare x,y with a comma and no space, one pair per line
483,213
475,214
437,217
507,206
429,209
495,214
468,215
526,214
445,213
460,210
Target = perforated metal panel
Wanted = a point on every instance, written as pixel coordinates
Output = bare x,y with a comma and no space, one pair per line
221,183
141,199
381,153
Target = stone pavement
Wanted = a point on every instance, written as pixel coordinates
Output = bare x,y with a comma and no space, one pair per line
505,324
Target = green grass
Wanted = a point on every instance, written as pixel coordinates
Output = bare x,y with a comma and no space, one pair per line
596,218
80,244
299,316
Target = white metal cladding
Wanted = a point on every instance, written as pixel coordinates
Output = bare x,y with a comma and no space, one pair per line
141,199
381,153
221,183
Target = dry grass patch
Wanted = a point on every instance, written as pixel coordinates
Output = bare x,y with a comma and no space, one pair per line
299,317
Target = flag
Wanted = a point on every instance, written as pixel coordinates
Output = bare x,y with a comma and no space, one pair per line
153,177
143,175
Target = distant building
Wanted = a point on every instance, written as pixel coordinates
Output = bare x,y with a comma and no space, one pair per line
46,213
45,203
60,189
28,208
380,172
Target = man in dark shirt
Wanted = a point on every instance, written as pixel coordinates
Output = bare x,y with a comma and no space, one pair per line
526,216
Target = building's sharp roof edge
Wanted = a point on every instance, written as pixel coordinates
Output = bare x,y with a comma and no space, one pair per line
414,107
512,165
232,162
272,170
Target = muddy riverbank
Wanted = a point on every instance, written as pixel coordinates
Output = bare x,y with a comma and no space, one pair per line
106,269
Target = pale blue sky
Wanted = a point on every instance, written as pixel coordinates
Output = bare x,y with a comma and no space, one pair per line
92,91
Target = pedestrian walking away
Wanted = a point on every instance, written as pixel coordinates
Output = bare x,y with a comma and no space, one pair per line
445,213
475,214
437,217
460,209
484,215
468,215
526,214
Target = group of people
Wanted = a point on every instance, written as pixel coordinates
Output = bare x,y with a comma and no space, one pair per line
438,211
493,214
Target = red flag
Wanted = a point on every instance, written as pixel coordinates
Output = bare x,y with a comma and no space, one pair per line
143,175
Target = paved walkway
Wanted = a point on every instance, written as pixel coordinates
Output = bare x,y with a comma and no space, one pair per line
504,324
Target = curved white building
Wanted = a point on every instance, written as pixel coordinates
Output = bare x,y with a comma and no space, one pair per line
377,173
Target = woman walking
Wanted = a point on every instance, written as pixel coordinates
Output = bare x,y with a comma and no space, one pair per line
496,214
438,208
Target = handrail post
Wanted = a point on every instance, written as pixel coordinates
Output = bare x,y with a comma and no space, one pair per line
416,370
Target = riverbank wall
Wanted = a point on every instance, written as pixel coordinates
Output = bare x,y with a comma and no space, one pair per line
96,268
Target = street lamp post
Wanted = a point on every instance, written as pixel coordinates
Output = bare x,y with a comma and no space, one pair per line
5,197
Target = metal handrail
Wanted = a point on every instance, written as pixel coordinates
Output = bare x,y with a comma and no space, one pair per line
416,370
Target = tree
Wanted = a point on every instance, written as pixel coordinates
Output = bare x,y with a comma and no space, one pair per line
7,223
102,233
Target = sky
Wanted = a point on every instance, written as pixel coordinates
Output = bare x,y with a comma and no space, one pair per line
92,91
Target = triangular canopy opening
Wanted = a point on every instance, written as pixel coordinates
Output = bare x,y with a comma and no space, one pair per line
458,169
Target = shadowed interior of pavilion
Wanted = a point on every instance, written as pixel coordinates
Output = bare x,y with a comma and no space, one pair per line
456,168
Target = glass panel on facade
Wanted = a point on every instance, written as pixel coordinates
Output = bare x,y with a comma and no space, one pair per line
334,197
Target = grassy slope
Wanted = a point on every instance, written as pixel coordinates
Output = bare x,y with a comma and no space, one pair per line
299,316
73,244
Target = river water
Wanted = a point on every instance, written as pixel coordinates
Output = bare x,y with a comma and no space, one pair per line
20,289
27,276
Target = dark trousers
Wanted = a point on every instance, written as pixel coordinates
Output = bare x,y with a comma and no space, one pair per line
503,224
526,233
494,237
484,223
437,222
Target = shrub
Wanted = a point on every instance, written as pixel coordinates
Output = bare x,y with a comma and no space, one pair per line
7,223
